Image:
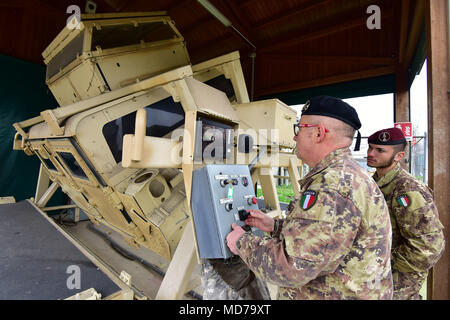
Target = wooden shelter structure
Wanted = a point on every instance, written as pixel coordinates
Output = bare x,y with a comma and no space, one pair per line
293,50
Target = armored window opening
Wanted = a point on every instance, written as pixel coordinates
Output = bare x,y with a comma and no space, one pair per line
223,84
163,117
49,164
73,165
212,141
127,34
68,54
87,162
62,169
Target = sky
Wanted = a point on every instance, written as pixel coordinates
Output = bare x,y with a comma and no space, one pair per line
419,102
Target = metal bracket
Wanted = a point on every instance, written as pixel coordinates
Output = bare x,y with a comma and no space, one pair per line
50,118
89,294
126,278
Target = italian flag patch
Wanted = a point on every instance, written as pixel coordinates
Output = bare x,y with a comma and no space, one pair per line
403,200
308,199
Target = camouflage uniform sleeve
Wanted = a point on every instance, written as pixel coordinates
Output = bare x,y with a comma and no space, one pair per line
278,225
312,242
423,238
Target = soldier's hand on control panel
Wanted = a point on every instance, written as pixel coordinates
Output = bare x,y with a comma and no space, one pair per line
233,237
260,220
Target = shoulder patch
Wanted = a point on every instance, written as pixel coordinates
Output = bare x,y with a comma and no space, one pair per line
308,199
404,200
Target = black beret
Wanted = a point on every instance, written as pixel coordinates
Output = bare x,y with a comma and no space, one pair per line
390,136
334,108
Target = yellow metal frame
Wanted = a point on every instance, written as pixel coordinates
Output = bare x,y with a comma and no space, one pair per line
185,85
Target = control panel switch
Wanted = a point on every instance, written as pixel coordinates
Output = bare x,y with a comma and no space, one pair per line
243,214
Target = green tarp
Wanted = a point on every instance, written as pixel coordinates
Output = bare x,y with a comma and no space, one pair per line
23,95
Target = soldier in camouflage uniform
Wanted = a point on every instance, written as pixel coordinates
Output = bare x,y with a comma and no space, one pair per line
335,242
417,237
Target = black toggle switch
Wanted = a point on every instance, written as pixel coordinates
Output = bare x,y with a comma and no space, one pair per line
243,214
225,182
229,206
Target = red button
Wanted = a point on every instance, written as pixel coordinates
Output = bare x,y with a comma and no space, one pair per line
254,200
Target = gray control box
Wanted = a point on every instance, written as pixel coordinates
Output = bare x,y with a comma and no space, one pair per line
221,195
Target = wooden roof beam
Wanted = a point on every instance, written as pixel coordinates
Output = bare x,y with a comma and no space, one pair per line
204,45
417,23
196,24
241,34
176,4
117,5
375,72
34,4
293,12
289,39
239,25
245,2
242,24
15,4
331,58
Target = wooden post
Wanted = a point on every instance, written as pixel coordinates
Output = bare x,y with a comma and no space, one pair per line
438,129
402,96
402,111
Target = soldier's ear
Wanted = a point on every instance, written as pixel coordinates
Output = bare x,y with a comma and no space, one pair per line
321,133
399,156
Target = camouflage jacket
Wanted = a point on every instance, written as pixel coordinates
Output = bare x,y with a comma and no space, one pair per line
417,236
334,244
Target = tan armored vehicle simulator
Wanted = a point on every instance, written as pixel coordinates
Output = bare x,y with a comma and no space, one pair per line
134,122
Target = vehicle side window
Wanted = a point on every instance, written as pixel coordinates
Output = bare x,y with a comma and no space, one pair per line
127,34
49,164
73,165
163,117
223,84
66,56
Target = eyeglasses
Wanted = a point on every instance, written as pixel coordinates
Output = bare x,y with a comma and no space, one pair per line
297,127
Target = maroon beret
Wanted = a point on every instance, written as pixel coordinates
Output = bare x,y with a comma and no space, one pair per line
390,136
